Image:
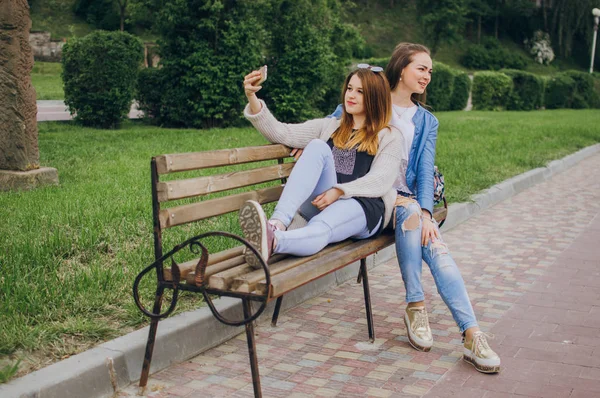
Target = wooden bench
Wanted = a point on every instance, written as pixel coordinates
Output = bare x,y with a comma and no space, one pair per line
225,273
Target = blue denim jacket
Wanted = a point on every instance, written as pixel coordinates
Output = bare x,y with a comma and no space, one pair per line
419,173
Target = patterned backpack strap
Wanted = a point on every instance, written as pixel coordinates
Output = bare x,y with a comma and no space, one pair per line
438,186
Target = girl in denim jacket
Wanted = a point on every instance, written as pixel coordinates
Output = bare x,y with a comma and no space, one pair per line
418,237
417,234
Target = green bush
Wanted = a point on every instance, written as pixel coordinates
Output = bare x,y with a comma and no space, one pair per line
100,74
491,90
439,91
149,93
207,47
585,95
477,57
560,91
528,91
491,55
310,51
460,91
597,89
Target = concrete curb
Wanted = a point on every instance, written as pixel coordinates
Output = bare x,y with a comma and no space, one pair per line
118,362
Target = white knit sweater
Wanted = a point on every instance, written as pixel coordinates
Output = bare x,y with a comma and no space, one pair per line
378,182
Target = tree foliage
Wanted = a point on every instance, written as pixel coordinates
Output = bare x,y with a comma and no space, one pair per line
309,51
206,48
442,20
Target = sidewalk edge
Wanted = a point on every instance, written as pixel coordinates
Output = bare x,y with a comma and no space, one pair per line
92,373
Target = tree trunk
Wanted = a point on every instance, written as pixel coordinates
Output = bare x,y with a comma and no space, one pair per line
18,126
122,8
545,15
497,22
479,29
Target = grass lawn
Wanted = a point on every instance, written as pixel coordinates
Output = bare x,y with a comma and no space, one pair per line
68,254
46,79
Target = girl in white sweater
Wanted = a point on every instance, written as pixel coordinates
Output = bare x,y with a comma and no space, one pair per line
343,183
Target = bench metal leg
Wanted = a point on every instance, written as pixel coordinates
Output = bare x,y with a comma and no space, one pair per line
365,282
276,311
150,342
252,349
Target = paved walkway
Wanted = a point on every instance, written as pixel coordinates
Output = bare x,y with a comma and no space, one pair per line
532,269
56,110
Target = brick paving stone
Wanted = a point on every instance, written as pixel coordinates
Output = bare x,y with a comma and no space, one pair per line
531,266
555,323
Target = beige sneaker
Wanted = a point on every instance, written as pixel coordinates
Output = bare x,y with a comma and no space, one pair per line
258,231
479,354
417,326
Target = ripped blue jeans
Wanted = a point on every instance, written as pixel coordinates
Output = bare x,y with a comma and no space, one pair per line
411,253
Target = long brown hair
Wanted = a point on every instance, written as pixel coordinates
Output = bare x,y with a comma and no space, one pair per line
401,57
377,100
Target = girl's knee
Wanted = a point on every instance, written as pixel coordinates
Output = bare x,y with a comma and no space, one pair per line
408,216
317,145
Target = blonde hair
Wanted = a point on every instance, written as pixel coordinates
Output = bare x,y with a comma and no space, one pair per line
377,101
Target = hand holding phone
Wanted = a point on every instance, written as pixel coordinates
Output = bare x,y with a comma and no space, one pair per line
263,76
252,84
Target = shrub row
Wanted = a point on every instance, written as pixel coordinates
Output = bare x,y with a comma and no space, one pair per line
449,88
100,73
518,90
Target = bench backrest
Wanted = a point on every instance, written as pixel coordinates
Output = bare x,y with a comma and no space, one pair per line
219,181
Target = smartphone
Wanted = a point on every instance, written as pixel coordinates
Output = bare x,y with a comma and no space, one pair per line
263,75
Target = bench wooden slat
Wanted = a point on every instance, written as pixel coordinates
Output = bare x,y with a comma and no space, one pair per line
245,280
217,269
222,279
180,189
440,213
247,283
190,266
214,207
298,276
201,160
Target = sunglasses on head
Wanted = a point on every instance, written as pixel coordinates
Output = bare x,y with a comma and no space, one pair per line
369,67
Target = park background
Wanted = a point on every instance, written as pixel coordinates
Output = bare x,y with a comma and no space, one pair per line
69,253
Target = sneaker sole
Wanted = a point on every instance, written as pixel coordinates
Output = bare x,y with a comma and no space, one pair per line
412,342
252,221
482,368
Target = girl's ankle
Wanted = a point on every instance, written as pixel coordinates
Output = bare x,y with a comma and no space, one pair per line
280,226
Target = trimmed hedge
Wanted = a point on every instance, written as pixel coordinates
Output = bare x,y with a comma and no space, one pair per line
460,91
491,90
439,91
150,94
560,91
527,93
100,75
585,95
